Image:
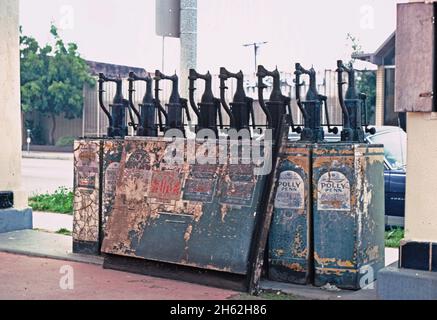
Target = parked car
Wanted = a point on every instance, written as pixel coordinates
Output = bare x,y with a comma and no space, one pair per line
395,145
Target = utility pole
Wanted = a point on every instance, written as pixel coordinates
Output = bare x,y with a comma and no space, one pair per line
256,46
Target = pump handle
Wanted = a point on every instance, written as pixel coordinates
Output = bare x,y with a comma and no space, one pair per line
261,74
102,80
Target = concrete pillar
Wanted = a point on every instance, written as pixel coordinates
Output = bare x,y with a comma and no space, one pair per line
188,42
421,195
10,114
380,96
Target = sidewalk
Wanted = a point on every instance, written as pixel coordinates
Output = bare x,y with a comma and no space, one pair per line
30,278
54,250
47,155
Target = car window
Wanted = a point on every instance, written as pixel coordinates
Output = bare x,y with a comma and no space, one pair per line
395,145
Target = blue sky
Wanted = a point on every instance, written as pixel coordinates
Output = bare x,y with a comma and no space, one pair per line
312,32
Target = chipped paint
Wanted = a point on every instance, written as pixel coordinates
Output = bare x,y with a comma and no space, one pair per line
346,240
188,214
289,244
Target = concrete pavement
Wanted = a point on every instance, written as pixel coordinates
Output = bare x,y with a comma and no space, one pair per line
31,278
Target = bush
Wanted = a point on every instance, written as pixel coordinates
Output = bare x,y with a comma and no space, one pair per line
59,202
65,142
394,237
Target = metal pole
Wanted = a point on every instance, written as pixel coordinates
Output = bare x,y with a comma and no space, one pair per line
163,54
188,38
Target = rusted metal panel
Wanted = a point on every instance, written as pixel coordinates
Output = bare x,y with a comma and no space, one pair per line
86,207
290,232
200,216
348,213
111,157
415,58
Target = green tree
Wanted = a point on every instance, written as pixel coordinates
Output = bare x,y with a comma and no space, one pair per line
366,79
52,78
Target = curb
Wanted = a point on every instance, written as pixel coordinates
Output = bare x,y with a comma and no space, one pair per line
71,257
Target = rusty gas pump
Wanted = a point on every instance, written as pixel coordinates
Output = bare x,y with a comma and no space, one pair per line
241,112
209,107
278,105
176,105
117,116
312,108
353,105
147,114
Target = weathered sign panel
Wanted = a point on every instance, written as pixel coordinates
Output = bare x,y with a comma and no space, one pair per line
415,58
348,214
196,215
86,207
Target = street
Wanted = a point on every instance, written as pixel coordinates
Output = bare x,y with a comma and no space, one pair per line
46,175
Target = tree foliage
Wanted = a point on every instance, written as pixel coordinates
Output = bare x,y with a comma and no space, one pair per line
366,79
52,78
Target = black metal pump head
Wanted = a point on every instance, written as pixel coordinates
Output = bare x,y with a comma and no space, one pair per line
209,107
117,117
352,106
147,126
241,110
176,104
312,107
276,108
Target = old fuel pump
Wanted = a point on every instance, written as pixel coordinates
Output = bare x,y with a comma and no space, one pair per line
312,107
176,105
351,105
96,163
147,115
348,199
241,111
209,107
117,116
278,105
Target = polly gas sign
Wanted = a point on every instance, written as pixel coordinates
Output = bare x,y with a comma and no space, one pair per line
334,192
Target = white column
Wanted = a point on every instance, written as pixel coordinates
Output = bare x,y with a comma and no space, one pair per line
188,41
10,114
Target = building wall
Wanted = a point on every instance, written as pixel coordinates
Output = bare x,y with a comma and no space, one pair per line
421,199
380,96
421,196
10,115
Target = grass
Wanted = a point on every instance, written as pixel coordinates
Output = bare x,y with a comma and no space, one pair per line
64,232
393,238
59,202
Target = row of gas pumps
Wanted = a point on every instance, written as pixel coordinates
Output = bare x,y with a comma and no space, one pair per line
316,218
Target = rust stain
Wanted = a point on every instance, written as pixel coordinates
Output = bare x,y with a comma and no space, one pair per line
331,261
224,211
295,267
187,235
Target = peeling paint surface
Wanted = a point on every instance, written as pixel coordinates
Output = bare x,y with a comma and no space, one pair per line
289,243
86,204
188,214
348,237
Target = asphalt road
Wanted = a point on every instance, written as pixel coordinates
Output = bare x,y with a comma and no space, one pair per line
46,175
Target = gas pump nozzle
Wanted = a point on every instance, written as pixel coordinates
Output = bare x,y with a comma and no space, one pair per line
278,105
209,107
117,117
176,104
241,111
